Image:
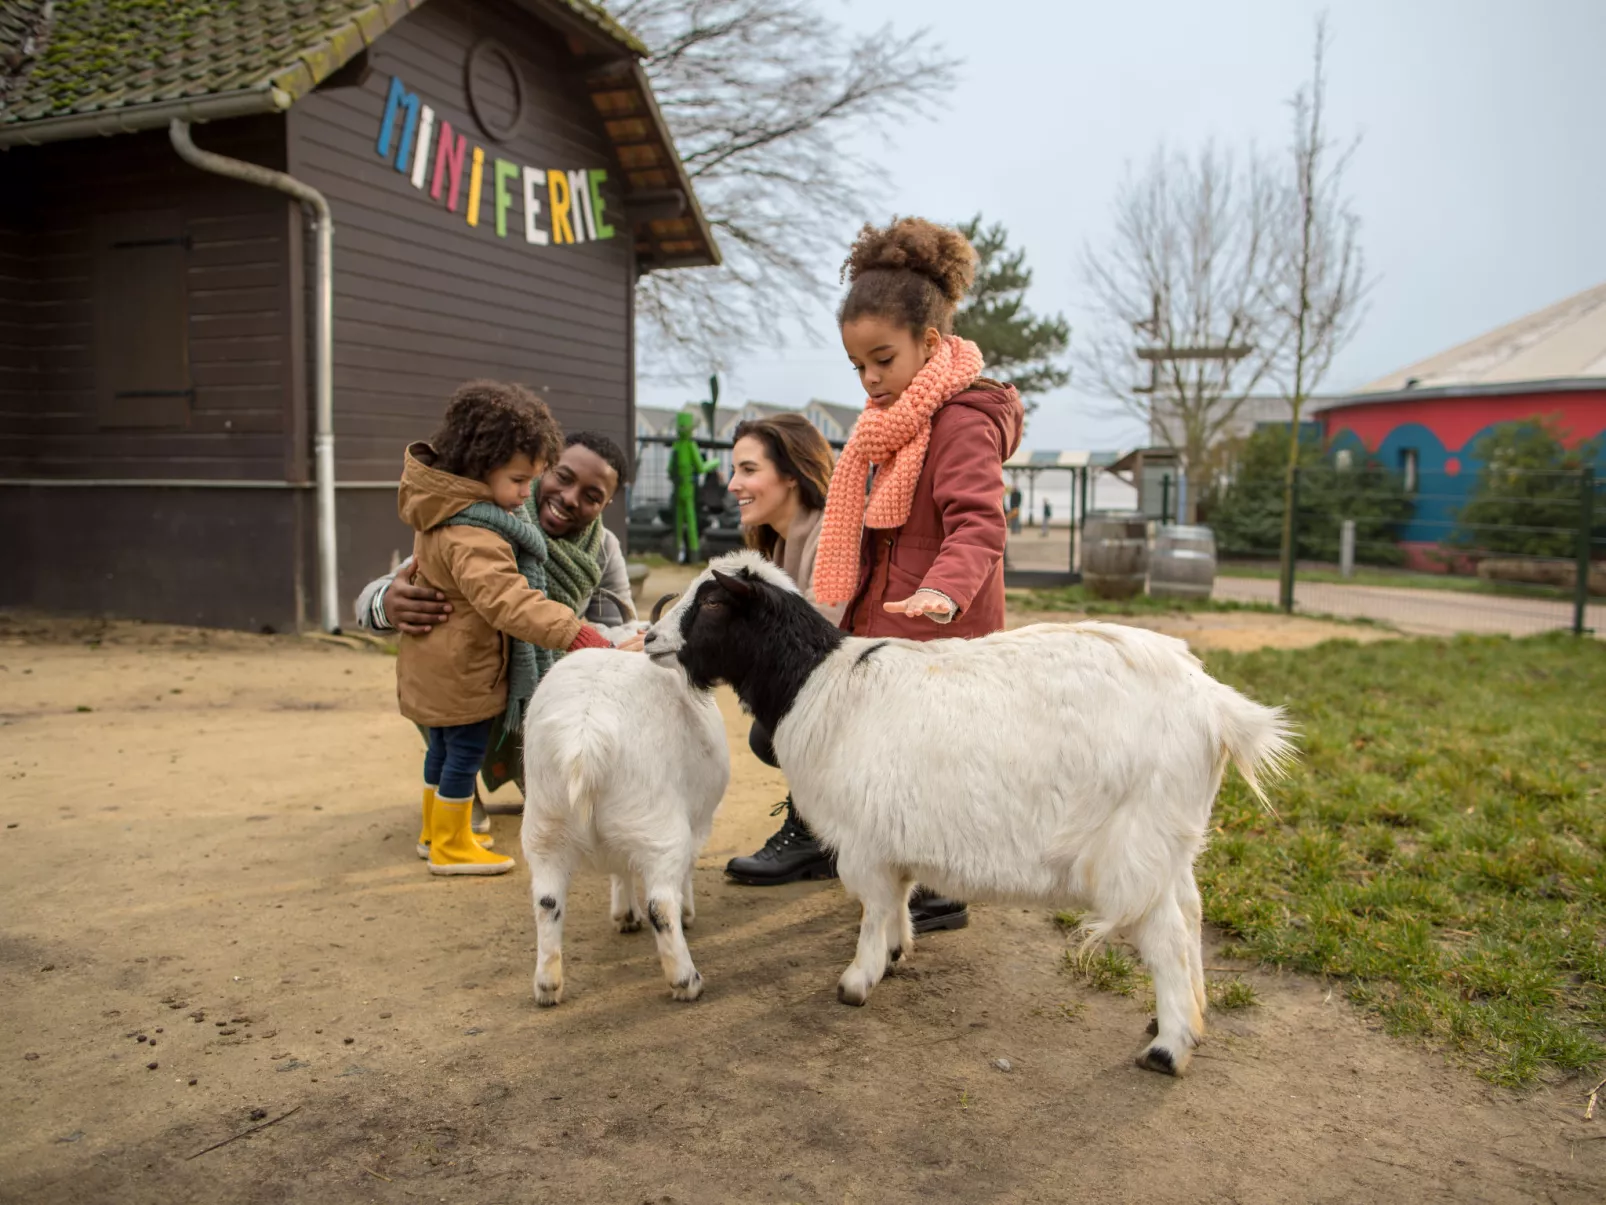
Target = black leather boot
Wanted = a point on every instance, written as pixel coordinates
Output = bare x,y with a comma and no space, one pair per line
790,855
931,912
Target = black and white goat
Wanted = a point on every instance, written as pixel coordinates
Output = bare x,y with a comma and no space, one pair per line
1061,764
624,766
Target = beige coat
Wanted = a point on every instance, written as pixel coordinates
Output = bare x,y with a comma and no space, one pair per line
795,554
457,674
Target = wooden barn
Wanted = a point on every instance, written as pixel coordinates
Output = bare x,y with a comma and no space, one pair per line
205,393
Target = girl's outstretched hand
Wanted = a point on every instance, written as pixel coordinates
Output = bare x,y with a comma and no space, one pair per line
921,602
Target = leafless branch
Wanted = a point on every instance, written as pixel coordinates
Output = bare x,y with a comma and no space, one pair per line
1188,266
762,96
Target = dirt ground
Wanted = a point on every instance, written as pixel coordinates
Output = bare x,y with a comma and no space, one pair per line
208,843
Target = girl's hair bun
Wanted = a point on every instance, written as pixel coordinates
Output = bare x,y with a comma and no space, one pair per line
939,253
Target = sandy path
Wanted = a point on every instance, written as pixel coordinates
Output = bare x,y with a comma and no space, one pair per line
1422,612
218,856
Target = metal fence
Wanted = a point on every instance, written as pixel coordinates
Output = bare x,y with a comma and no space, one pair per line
1523,551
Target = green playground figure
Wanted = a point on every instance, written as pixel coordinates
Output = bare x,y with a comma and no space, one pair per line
687,464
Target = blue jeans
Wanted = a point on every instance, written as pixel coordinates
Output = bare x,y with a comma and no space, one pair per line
454,758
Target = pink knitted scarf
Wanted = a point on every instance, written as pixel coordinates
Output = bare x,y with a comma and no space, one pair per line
895,439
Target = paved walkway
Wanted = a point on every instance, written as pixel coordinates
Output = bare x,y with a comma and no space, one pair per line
1422,612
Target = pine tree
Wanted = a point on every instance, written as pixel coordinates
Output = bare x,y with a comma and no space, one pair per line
1017,345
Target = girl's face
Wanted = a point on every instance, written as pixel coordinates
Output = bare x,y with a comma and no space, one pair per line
510,484
887,356
761,492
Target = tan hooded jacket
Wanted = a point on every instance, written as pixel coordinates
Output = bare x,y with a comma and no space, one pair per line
457,674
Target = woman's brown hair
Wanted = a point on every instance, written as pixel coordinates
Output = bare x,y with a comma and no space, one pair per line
913,273
798,451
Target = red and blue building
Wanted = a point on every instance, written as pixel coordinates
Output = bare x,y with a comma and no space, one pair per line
1425,421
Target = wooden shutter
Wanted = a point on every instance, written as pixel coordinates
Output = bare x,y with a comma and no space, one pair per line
142,363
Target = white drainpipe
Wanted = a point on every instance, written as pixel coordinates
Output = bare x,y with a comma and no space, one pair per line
323,368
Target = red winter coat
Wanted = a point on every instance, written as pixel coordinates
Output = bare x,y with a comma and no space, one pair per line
954,538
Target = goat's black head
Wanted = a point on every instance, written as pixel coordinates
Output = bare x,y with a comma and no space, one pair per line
743,622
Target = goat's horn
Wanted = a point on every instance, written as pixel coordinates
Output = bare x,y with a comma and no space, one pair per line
658,607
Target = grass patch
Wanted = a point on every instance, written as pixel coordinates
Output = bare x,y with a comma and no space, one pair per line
1441,849
1229,995
1105,970
1078,598
1412,579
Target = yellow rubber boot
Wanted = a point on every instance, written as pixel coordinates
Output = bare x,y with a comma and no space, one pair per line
485,842
453,848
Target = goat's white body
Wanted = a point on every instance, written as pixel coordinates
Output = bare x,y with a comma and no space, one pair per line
1012,767
624,767
1060,764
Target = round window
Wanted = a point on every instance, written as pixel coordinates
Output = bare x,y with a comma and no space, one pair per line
495,89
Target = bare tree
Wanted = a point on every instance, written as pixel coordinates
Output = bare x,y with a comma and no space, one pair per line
1320,289
1184,326
762,97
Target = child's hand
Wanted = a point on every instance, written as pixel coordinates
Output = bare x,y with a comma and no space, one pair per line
921,602
633,644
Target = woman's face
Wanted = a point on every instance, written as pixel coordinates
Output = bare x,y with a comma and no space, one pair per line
761,492
886,356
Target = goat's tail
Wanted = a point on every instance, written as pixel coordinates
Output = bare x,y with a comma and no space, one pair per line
1255,738
581,755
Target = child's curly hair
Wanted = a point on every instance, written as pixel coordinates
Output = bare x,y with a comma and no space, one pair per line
488,423
913,273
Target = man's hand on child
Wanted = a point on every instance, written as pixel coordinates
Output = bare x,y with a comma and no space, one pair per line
921,602
414,609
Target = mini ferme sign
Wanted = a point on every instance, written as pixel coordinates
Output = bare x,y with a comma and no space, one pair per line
426,148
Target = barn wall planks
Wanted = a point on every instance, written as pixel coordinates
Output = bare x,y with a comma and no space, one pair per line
423,300
206,556
235,268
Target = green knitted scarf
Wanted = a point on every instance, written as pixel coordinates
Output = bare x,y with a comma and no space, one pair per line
527,663
573,571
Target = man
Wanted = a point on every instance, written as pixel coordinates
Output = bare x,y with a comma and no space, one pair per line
569,498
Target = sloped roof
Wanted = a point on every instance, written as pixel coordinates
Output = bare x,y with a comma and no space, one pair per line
1562,344
86,56
1054,458
76,68
845,416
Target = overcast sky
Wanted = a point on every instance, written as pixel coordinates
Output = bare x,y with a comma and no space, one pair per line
1480,179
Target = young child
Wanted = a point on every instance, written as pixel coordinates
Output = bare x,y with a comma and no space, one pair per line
464,493
920,554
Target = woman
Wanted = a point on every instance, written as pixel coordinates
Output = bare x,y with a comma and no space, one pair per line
781,470
781,473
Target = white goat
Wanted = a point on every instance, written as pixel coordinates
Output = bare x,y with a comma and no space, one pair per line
624,766
1062,764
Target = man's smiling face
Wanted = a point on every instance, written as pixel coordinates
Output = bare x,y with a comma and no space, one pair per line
574,491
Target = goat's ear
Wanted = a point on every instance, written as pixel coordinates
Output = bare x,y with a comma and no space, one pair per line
736,587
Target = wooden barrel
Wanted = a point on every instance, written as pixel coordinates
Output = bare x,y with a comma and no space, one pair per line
1115,553
1183,563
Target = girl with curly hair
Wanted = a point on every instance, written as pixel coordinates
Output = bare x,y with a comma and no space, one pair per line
464,493
913,537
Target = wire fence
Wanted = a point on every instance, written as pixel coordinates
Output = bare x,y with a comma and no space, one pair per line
1515,551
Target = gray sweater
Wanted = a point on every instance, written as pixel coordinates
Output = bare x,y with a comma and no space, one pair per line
610,606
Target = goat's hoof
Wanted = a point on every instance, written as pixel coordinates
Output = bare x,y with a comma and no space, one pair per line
688,919
1158,1058
687,989
548,994
850,990
1153,1029
628,923
895,953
